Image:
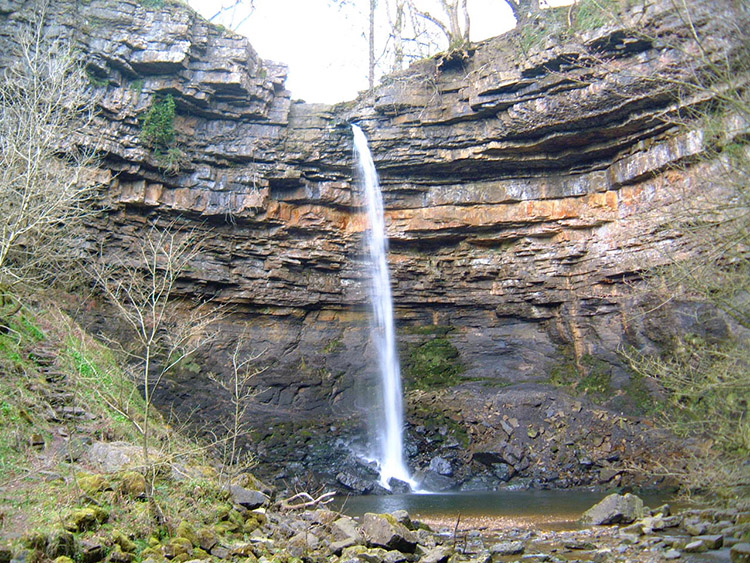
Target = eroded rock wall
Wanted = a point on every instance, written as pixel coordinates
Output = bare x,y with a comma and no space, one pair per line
527,189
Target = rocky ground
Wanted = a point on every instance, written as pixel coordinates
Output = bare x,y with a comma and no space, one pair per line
247,526
471,439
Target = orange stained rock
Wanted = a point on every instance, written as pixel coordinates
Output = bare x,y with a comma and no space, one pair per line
314,215
451,216
343,316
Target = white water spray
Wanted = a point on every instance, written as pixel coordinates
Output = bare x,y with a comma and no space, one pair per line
390,427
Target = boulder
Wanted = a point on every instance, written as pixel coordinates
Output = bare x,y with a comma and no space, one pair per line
247,498
117,555
114,456
441,466
354,483
60,542
383,530
123,542
84,519
740,553
439,554
91,483
402,517
207,539
185,530
696,546
432,481
133,484
302,543
92,551
711,541
614,509
504,548
177,547
503,471
480,482
345,528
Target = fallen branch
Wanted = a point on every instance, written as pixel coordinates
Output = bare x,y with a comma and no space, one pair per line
322,500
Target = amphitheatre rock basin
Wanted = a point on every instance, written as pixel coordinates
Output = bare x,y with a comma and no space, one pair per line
526,194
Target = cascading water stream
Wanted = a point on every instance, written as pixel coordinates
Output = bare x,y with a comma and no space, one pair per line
390,426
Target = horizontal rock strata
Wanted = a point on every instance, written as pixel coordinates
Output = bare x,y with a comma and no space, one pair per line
527,190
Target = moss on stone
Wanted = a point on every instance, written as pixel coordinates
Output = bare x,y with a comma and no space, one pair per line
432,364
589,375
87,518
186,530
133,484
91,483
123,541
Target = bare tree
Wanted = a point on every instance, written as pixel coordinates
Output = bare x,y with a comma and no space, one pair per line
241,391
454,23
46,177
371,45
165,331
233,13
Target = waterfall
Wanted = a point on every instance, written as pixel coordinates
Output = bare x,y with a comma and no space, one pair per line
389,431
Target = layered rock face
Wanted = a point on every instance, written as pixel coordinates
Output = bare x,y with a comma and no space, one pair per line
528,186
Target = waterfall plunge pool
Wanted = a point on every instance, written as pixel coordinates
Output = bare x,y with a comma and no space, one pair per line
556,510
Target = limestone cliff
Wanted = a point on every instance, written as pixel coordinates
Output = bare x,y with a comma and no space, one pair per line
527,185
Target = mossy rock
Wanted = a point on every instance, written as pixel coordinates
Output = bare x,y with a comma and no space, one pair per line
133,484
123,541
250,525
236,518
83,519
253,521
223,528
153,553
199,553
176,547
186,530
222,512
92,483
34,540
250,481
61,543
207,538
117,555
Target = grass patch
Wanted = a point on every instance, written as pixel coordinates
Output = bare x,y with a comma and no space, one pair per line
47,364
562,23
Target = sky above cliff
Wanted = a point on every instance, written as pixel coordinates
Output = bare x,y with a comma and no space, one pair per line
325,47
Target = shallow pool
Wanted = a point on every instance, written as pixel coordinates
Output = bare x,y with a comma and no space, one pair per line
555,509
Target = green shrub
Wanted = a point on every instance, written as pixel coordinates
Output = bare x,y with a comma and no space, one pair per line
158,133
158,130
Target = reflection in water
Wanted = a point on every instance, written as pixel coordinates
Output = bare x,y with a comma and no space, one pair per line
493,510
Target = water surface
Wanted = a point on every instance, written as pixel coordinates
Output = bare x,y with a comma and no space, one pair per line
552,510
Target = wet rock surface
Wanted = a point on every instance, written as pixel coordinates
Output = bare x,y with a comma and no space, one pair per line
525,195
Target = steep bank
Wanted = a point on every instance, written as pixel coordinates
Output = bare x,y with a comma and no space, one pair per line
527,187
